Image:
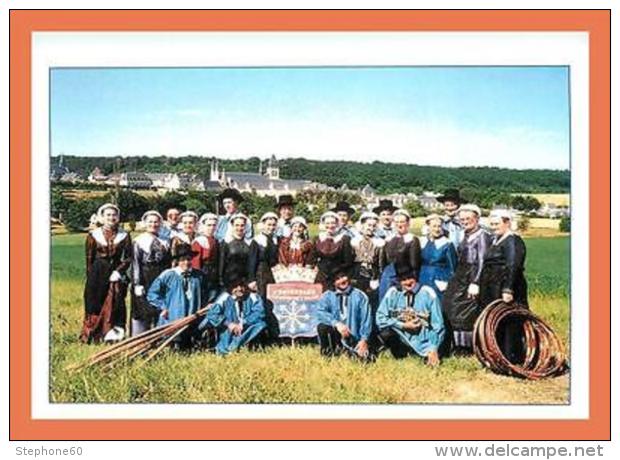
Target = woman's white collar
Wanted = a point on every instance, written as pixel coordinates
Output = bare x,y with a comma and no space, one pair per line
98,236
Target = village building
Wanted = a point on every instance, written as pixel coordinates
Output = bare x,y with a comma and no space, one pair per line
368,193
61,173
268,183
135,180
429,201
553,211
97,176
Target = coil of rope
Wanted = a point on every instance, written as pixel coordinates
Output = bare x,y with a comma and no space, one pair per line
543,354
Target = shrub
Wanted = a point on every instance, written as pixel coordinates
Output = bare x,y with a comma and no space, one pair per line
77,216
565,224
523,224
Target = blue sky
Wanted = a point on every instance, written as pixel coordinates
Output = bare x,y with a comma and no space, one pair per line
447,116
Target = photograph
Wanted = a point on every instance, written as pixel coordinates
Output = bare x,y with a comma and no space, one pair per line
363,235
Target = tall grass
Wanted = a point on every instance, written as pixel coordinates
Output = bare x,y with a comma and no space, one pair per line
290,375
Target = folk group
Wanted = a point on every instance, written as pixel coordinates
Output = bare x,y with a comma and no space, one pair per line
384,287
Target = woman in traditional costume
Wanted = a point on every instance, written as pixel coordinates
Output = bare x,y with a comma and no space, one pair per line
402,248
151,256
502,277
461,301
186,233
296,249
263,257
234,256
502,273
206,247
367,257
108,257
332,251
438,256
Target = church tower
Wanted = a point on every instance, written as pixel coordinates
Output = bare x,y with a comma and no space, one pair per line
273,171
215,174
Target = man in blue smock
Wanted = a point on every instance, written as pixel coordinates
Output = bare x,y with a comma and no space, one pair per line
345,320
410,319
179,292
451,201
238,316
229,200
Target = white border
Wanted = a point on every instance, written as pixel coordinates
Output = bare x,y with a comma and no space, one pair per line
58,49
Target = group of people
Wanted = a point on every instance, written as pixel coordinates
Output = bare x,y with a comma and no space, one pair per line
384,287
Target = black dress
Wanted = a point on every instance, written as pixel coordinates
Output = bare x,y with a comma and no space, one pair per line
367,263
107,250
151,256
234,260
461,310
333,254
263,257
503,271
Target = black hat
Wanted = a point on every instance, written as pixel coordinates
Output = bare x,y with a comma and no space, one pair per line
403,268
404,272
183,250
450,194
340,274
343,206
230,193
285,200
234,282
385,205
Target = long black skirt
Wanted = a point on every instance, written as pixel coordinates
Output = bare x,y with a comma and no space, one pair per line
140,308
491,282
459,310
96,291
264,276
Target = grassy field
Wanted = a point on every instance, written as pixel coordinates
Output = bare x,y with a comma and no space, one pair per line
558,199
295,375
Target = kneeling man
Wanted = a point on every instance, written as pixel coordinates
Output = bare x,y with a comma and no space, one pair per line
410,319
345,320
238,316
179,292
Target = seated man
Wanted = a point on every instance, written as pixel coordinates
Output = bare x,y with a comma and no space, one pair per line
179,292
409,319
345,320
238,316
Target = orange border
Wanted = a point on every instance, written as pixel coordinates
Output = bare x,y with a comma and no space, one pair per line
24,22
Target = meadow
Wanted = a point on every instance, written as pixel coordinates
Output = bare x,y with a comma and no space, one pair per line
297,374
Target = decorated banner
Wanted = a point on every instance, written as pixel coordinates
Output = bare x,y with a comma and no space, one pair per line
295,299
295,306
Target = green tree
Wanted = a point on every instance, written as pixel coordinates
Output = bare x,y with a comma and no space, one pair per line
565,224
168,200
415,209
77,216
131,204
59,204
523,224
